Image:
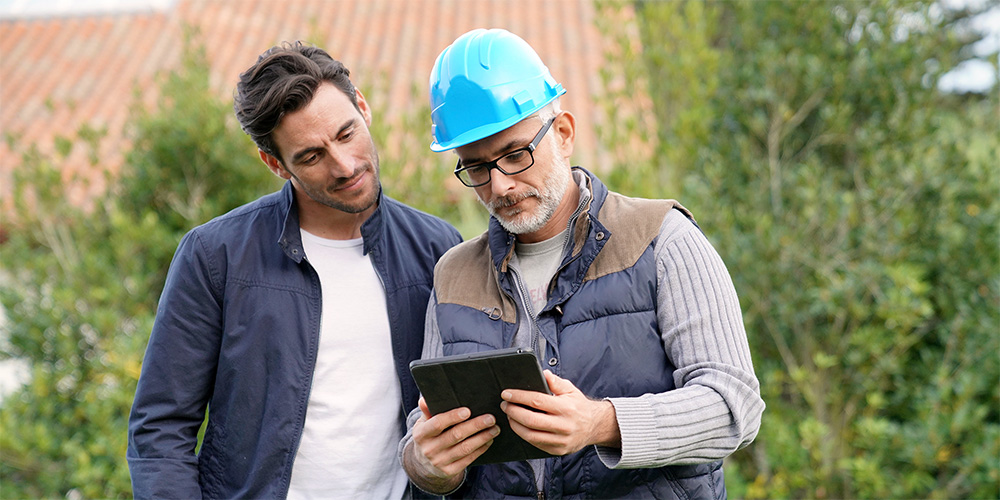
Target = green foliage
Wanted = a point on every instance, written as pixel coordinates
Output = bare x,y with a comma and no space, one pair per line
81,298
855,206
75,309
189,159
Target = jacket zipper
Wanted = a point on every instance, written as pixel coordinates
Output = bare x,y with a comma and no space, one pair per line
569,236
287,480
535,332
540,494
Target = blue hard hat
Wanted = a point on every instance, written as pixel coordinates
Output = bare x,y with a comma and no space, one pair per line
484,82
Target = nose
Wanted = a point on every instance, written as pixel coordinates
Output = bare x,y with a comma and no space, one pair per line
500,183
340,164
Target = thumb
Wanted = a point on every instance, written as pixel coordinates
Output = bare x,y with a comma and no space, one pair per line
423,407
558,385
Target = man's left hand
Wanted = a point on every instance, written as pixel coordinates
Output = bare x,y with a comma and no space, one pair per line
561,423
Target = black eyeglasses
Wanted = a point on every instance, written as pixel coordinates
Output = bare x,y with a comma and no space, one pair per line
514,162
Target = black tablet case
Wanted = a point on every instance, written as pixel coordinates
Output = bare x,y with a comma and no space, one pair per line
475,381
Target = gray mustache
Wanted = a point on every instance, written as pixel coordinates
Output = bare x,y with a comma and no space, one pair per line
511,200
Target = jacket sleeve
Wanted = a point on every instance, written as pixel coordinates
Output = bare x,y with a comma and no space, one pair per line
716,406
177,377
433,348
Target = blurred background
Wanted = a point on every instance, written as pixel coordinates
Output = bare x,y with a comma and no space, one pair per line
842,156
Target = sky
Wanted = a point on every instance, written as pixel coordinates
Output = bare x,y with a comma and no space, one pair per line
44,8
977,74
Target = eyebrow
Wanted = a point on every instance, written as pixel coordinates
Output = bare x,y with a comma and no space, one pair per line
506,149
298,156
302,154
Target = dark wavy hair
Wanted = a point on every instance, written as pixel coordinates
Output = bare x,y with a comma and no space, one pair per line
284,80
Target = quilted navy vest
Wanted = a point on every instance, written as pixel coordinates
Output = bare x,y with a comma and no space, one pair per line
601,334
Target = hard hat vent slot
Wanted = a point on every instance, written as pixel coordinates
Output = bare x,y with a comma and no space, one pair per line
523,101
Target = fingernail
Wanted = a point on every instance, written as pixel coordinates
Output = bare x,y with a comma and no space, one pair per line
494,431
505,394
464,413
490,420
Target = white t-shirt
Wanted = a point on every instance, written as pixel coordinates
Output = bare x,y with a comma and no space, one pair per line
353,421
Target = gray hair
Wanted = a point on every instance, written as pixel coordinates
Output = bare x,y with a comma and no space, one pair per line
549,111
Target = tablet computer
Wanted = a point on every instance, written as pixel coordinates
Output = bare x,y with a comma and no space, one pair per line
475,381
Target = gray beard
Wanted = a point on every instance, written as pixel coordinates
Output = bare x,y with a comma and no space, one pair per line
553,190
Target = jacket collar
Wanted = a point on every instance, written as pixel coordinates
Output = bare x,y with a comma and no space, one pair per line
290,239
291,235
373,228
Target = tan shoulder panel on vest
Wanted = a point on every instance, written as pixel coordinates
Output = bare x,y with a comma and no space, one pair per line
465,276
634,223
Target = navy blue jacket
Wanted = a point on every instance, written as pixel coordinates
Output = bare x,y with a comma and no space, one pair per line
237,329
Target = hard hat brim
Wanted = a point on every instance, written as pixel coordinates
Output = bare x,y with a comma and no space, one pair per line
484,131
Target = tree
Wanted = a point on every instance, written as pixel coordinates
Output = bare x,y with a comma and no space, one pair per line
82,295
855,206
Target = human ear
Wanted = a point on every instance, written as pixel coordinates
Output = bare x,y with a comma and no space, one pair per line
366,111
274,165
565,132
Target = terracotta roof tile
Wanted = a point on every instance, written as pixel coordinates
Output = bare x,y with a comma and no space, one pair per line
59,73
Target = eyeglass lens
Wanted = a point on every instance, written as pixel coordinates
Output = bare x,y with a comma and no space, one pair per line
509,164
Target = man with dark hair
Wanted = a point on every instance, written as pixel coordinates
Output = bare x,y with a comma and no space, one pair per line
624,300
291,320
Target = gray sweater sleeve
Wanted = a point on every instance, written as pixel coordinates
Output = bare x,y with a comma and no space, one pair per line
716,407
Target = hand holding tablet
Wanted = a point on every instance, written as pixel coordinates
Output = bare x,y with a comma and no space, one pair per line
475,381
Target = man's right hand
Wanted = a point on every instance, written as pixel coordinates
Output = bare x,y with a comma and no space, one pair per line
444,445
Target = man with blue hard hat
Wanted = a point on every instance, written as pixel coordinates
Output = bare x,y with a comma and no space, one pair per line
624,301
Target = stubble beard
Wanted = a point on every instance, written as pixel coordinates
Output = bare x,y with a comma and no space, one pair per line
326,198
